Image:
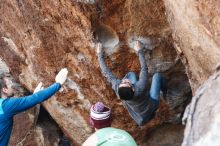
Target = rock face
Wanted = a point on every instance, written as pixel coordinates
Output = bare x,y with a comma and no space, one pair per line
45,132
195,27
203,115
173,136
38,38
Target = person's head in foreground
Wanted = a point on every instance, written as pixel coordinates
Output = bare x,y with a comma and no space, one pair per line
6,86
105,135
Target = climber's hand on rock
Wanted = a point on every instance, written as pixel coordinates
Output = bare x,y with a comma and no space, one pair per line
39,87
138,46
61,76
99,48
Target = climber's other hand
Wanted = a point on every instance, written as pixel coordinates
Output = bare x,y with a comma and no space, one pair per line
99,48
138,46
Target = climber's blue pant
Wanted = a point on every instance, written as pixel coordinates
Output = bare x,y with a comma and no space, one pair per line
158,83
151,100
131,76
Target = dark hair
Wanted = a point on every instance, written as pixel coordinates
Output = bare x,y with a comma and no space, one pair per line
125,93
2,82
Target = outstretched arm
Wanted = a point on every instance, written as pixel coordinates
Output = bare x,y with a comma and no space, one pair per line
16,105
106,72
142,82
13,106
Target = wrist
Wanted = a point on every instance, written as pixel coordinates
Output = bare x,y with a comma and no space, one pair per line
100,53
141,50
58,83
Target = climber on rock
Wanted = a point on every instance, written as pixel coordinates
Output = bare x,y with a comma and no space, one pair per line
11,106
105,135
140,103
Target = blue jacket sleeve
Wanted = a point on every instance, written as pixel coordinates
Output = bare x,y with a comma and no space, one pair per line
16,105
142,82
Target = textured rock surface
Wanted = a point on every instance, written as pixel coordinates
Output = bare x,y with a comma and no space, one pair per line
195,27
165,135
38,37
46,132
202,115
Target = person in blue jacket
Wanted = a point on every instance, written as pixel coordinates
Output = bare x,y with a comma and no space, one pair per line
12,106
